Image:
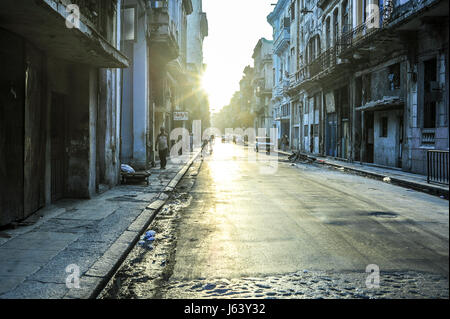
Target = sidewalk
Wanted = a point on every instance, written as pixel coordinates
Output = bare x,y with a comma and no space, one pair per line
92,235
397,177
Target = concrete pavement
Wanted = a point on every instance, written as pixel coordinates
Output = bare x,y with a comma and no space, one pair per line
301,231
83,239
396,176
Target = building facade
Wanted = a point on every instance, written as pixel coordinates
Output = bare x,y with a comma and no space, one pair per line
156,84
262,84
280,21
196,99
59,102
369,80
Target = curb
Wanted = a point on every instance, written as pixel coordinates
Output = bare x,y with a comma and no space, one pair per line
100,273
425,188
429,189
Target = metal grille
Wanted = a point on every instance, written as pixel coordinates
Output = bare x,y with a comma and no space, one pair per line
437,166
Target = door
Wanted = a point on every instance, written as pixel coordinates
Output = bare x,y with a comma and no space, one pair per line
58,146
344,138
400,140
11,127
369,137
35,133
331,129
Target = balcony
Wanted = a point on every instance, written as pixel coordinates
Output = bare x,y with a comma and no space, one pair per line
43,23
162,35
324,66
282,41
369,36
260,87
324,61
285,85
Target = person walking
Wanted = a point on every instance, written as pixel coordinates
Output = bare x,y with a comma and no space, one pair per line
284,143
162,146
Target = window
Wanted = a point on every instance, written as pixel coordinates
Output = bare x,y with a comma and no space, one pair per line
336,26
384,127
129,24
394,77
429,109
327,33
345,20
292,10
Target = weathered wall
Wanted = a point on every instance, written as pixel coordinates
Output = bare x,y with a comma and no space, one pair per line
81,127
386,148
58,81
107,164
11,127
430,43
140,98
127,107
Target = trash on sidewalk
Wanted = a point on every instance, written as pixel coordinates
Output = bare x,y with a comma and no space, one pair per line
145,244
127,168
150,233
387,179
129,174
147,239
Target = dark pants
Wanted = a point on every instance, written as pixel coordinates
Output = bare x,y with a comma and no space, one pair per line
162,157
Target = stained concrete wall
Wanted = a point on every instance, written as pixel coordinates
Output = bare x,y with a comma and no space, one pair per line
59,79
194,45
430,43
108,168
135,99
386,149
82,132
126,154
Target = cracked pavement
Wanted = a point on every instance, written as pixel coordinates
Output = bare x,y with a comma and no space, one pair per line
230,231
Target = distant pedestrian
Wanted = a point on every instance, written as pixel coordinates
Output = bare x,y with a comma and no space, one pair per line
162,146
180,151
284,143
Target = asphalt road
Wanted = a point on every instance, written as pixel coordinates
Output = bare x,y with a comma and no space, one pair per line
259,227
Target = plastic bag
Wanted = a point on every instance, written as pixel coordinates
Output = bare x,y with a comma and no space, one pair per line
127,168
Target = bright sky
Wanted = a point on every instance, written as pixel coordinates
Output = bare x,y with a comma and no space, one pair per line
235,26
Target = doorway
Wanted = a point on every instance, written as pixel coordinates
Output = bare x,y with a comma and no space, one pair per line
11,127
331,134
369,141
58,146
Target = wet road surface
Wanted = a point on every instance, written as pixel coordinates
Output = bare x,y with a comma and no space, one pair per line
240,226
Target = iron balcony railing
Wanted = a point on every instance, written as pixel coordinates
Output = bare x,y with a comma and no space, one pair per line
437,166
96,12
281,40
371,26
325,60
